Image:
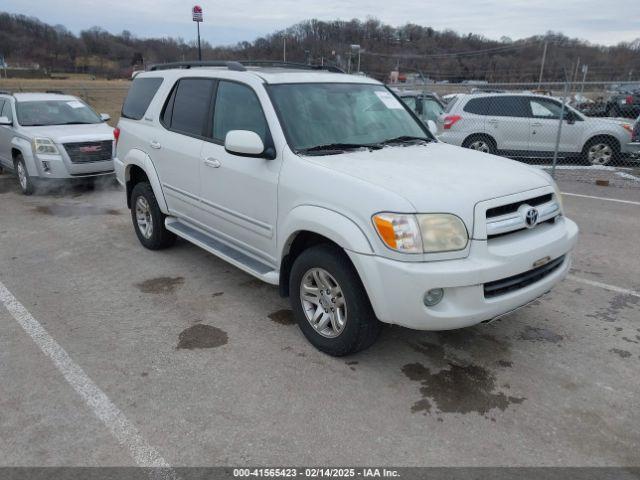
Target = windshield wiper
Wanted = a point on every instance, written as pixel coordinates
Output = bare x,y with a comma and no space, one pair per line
335,148
74,123
406,139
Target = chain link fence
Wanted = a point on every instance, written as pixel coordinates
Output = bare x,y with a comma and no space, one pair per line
585,132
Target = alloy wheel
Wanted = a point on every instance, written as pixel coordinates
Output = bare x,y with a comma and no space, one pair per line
323,302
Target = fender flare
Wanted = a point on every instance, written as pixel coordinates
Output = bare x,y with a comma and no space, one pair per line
323,221
143,161
25,149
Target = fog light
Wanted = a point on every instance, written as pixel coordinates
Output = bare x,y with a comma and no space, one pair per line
433,297
45,165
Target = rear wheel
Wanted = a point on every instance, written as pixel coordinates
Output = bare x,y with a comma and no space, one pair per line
148,220
330,303
26,183
481,143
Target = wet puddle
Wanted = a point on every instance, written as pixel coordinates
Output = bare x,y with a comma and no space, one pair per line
283,317
535,334
160,285
202,336
74,210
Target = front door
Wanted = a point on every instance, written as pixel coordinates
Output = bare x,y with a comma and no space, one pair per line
508,123
545,117
239,194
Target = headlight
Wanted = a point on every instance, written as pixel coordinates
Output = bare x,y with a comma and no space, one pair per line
558,196
44,146
424,233
442,233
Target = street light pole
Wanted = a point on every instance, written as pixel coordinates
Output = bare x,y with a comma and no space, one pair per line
199,46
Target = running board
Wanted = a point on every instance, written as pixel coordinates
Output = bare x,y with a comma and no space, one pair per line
230,254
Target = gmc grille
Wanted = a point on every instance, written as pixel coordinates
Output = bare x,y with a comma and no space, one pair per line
87,152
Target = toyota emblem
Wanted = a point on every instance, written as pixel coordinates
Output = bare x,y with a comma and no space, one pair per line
531,217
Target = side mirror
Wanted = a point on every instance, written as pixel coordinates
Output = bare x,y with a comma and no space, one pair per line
5,121
433,128
105,117
244,143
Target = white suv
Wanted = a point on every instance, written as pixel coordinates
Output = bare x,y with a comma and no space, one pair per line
46,136
526,125
327,185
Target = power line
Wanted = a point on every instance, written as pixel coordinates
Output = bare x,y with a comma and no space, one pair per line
453,54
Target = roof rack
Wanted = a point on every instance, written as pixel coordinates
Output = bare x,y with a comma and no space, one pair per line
241,66
56,92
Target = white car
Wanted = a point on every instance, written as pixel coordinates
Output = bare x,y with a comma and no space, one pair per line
46,136
327,185
526,125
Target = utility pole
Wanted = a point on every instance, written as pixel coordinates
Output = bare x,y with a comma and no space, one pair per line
544,58
585,69
284,49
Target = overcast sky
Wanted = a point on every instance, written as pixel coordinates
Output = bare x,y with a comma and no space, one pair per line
230,21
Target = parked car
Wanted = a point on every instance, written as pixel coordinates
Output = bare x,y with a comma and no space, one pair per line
46,136
624,101
427,106
326,185
526,125
635,138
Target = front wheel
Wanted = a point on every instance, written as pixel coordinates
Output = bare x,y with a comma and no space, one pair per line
330,303
601,151
148,220
26,183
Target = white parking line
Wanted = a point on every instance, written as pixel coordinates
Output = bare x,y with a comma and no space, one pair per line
606,286
121,428
630,202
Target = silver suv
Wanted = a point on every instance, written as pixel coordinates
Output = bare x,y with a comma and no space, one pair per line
45,136
526,125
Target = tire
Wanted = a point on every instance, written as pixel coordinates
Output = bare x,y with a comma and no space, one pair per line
601,151
148,220
481,143
327,265
27,186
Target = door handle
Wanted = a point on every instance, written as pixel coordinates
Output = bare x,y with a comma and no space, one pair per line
537,124
493,120
212,162
155,144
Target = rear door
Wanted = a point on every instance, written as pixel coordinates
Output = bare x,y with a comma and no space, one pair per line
545,116
507,122
176,149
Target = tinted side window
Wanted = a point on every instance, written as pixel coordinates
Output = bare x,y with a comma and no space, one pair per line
502,106
1,105
479,106
140,95
191,106
237,108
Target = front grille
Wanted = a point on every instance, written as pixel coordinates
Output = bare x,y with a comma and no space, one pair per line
87,152
513,207
522,280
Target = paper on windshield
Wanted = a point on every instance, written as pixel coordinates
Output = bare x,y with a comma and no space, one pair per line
75,104
389,100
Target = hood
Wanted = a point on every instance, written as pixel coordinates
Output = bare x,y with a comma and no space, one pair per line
438,177
604,121
72,133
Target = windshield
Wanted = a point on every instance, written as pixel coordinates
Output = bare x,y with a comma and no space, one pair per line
55,112
344,114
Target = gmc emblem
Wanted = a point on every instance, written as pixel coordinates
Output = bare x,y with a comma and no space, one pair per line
91,149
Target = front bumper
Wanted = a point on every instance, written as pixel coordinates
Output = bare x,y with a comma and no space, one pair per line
396,289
